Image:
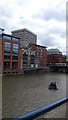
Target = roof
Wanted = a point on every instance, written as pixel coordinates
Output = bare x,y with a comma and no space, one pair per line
38,45
22,30
52,51
10,35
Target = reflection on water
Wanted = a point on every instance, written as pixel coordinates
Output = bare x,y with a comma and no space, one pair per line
22,94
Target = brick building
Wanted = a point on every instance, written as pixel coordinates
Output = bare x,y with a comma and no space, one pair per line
28,56
54,56
40,55
10,54
34,57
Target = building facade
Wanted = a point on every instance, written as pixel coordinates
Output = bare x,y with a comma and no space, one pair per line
26,37
40,56
54,56
10,54
34,57
28,56
16,59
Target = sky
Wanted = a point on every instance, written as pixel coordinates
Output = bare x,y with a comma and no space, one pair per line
46,18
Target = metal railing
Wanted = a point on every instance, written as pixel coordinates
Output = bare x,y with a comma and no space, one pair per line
36,113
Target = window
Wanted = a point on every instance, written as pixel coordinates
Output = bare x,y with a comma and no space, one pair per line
32,59
44,64
15,46
41,50
14,65
6,37
14,39
7,47
7,44
25,58
6,65
7,51
6,57
41,63
15,51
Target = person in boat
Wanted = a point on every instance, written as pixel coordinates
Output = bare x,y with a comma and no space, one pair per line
53,85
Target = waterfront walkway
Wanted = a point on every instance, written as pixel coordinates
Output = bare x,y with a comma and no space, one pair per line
59,112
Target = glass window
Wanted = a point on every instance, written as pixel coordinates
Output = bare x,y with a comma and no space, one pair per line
6,37
6,57
6,65
41,63
25,58
14,65
7,47
32,59
15,46
15,51
15,57
45,65
41,50
15,39
7,44
7,51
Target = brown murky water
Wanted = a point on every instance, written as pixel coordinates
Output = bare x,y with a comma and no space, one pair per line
22,94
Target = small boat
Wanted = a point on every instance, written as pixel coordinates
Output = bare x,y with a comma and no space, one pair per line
53,86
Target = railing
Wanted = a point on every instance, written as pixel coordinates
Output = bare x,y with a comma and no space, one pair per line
34,114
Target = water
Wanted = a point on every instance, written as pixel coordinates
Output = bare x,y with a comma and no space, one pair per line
22,94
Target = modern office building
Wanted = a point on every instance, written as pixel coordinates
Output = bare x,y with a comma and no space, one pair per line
10,54
40,55
54,56
26,36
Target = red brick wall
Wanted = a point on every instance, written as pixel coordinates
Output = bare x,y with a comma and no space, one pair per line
52,59
44,54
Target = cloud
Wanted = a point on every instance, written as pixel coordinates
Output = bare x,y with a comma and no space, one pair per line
55,13
45,18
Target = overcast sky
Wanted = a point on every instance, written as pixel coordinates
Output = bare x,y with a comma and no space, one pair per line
46,18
